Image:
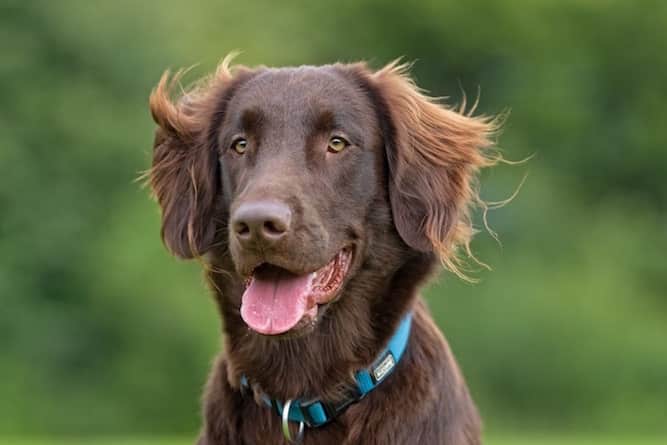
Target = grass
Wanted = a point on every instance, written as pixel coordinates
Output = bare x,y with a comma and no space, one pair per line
495,440
573,440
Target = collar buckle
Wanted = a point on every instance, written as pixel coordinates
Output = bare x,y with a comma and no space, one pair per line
307,417
331,410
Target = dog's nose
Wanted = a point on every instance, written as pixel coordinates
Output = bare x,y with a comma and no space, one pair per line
261,222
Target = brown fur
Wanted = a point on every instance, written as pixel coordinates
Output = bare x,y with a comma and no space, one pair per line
399,194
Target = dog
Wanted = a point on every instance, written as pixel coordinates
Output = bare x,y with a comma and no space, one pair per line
319,199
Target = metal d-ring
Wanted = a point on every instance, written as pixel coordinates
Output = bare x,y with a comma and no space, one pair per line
286,431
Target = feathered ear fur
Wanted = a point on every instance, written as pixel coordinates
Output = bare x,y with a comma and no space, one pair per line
434,154
185,173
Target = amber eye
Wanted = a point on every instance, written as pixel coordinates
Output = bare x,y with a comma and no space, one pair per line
337,144
240,145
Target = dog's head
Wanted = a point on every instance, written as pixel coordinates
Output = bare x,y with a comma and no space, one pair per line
304,180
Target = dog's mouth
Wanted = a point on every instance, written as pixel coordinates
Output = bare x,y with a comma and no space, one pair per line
276,300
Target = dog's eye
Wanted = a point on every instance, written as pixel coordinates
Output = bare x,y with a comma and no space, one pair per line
337,144
240,145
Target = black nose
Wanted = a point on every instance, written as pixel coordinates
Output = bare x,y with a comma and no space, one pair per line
261,222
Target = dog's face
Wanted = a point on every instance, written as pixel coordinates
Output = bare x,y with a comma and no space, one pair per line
303,176
300,159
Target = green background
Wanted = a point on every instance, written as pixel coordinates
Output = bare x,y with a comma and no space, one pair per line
102,334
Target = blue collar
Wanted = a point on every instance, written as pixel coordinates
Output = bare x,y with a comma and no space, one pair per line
316,412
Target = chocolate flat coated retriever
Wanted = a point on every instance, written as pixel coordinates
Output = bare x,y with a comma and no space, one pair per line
319,200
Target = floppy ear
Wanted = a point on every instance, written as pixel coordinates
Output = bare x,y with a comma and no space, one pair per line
185,173
434,154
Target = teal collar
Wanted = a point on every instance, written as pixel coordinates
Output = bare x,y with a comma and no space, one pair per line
316,412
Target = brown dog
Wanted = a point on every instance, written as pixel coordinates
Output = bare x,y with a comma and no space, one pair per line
319,200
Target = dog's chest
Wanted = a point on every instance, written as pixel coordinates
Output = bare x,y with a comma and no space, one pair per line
262,426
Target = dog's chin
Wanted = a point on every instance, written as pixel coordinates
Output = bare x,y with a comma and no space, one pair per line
281,302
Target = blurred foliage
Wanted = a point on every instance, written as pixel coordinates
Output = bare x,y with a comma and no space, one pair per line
101,331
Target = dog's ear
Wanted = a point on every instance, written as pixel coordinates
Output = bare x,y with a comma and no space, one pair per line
434,154
185,176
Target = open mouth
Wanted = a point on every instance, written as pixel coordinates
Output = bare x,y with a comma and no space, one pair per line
276,300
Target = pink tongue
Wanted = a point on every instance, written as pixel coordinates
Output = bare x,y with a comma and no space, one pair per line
275,300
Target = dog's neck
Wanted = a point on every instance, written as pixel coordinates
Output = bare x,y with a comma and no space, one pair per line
322,363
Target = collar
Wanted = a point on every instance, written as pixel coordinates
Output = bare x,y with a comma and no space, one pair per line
316,412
